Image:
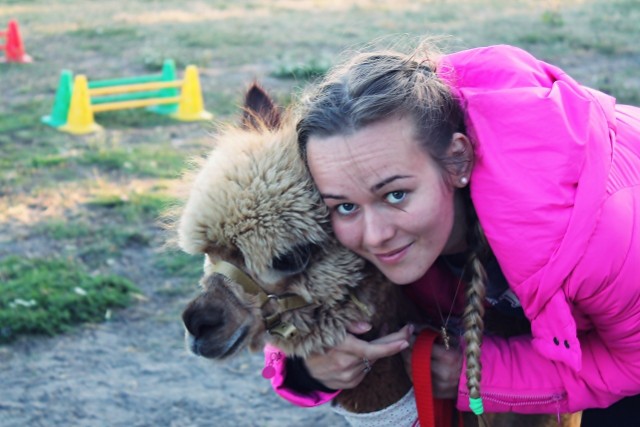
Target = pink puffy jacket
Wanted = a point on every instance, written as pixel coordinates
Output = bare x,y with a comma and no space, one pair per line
556,186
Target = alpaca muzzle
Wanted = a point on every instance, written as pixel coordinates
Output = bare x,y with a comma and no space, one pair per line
278,304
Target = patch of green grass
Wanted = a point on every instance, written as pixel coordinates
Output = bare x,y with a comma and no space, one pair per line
103,32
134,206
49,160
15,121
201,37
60,230
26,153
145,161
116,235
94,243
552,18
315,67
49,296
184,270
179,264
618,87
542,38
132,118
22,116
154,61
223,103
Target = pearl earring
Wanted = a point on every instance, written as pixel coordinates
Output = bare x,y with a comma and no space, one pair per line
464,180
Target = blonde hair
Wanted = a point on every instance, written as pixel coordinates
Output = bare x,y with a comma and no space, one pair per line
373,86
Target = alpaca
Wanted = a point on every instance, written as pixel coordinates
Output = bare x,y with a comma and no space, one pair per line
253,206
274,272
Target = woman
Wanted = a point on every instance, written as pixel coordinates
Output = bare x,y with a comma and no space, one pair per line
501,170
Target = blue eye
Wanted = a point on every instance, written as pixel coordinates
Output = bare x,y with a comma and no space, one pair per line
346,208
396,197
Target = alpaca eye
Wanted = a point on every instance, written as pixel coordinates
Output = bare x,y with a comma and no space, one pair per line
293,261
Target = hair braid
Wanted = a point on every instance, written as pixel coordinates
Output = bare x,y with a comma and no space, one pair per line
475,295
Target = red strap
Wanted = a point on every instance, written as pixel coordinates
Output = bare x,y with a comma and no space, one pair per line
431,412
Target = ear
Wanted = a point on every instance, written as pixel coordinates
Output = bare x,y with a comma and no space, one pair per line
259,109
461,154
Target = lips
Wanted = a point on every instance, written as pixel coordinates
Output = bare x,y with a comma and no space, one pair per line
394,256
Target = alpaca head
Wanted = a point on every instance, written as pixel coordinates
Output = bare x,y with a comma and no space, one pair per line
273,270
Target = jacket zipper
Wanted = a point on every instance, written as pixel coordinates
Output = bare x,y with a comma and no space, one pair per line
516,400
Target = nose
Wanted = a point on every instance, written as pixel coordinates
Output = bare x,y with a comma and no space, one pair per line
200,321
378,228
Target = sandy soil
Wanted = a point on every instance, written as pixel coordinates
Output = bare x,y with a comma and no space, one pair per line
134,371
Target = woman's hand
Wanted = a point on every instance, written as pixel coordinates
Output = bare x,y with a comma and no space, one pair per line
445,371
344,366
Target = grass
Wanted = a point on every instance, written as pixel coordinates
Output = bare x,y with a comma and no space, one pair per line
179,264
48,296
132,206
93,200
302,71
144,161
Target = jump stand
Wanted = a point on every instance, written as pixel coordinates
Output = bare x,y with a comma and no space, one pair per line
76,103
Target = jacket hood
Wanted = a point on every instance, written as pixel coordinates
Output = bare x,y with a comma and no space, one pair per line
543,150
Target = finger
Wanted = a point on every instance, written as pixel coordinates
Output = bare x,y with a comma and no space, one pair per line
375,351
359,327
403,334
445,370
349,379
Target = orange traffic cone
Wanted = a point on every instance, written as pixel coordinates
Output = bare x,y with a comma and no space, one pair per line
14,49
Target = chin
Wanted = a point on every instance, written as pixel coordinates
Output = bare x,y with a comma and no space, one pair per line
403,277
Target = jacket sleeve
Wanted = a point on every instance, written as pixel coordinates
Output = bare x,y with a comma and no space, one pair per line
565,229
516,378
604,295
275,371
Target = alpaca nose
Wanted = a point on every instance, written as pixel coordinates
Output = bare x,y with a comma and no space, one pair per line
200,322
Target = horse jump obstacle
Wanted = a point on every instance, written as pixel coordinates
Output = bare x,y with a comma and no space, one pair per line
13,47
75,105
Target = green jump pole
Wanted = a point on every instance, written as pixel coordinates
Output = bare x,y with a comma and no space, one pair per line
125,81
168,74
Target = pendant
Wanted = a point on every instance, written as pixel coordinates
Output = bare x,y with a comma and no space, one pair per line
445,337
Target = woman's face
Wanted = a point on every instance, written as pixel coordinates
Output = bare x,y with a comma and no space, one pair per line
389,201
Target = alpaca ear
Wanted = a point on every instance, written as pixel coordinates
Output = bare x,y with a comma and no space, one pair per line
259,110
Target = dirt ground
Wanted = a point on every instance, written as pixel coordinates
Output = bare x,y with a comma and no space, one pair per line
135,371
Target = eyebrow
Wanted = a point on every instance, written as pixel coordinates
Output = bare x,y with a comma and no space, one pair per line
389,180
376,187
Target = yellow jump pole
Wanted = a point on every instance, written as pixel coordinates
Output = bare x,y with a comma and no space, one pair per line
134,104
140,87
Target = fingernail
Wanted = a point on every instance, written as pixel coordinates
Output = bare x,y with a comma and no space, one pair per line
363,326
404,345
412,328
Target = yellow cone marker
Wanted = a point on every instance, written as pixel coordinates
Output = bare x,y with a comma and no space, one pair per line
191,106
80,118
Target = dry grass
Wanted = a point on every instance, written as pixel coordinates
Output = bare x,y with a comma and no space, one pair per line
49,176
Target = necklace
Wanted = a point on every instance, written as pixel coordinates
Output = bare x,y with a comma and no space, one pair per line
443,329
